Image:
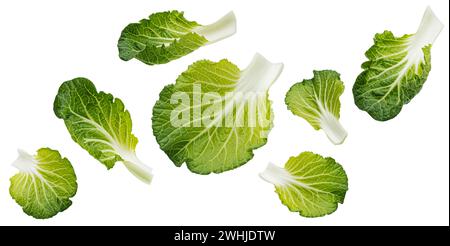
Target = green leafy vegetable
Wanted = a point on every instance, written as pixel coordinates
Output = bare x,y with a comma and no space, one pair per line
45,183
167,36
396,70
215,115
99,123
309,184
317,101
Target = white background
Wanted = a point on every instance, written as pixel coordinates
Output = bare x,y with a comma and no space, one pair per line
398,170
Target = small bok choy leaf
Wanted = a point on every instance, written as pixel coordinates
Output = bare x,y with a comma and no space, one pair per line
99,123
309,184
45,183
167,36
396,70
317,101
